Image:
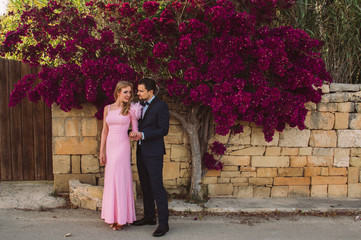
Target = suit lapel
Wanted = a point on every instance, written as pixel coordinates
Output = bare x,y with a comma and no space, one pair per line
150,106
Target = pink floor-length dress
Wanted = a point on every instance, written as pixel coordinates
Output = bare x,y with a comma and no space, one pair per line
118,198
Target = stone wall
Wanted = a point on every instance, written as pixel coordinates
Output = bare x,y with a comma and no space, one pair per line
321,161
76,140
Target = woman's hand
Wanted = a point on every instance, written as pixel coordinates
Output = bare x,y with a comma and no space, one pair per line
102,159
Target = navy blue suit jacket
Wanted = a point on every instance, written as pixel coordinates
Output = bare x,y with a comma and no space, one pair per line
154,125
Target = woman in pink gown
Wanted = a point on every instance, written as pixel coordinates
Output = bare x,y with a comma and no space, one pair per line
118,199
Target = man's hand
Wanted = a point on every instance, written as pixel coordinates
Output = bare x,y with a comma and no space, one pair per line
135,135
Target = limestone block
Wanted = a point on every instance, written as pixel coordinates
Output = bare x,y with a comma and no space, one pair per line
213,173
75,145
273,151
61,181
305,151
322,152
224,180
321,180
175,135
299,191
209,180
101,181
184,172
257,138
266,172
354,190
262,192
311,106
247,169
300,161
248,174
220,189
171,170
339,97
319,191
239,180
320,120
75,164
290,172
236,160
325,88
249,151
89,127
89,164
344,87
353,175
170,183
322,161
244,192
243,138
355,97
337,191
324,171
230,168
228,174
58,128
279,191
321,138
260,181
289,151
61,164
319,161
355,121
291,181
183,182
312,171
358,107
85,195
346,107
342,157
166,157
355,161
72,127
88,110
270,161
293,137
327,107
179,153
337,171
325,98
355,152
341,120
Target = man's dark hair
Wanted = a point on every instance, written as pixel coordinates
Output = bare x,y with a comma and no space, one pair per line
148,83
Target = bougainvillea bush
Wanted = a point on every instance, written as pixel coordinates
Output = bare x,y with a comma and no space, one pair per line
221,58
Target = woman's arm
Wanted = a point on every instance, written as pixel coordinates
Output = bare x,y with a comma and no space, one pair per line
103,139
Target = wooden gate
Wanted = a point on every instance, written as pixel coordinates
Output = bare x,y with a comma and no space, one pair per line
25,130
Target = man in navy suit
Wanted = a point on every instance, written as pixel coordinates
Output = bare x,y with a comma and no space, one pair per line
153,126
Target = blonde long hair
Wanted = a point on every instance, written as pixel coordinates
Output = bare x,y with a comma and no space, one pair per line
126,106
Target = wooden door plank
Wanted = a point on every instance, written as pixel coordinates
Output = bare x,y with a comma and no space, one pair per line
15,125
27,132
39,138
48,143
5,158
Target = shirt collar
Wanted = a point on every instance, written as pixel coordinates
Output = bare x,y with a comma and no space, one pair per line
151,99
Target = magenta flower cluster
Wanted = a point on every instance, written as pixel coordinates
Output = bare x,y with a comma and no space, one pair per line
225,56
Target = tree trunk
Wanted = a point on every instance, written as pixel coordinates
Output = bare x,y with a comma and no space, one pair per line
191,126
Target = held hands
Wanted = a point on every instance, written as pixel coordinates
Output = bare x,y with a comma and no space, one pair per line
135,135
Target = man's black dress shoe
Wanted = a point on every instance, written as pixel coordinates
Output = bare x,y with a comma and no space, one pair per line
144,221
161,230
